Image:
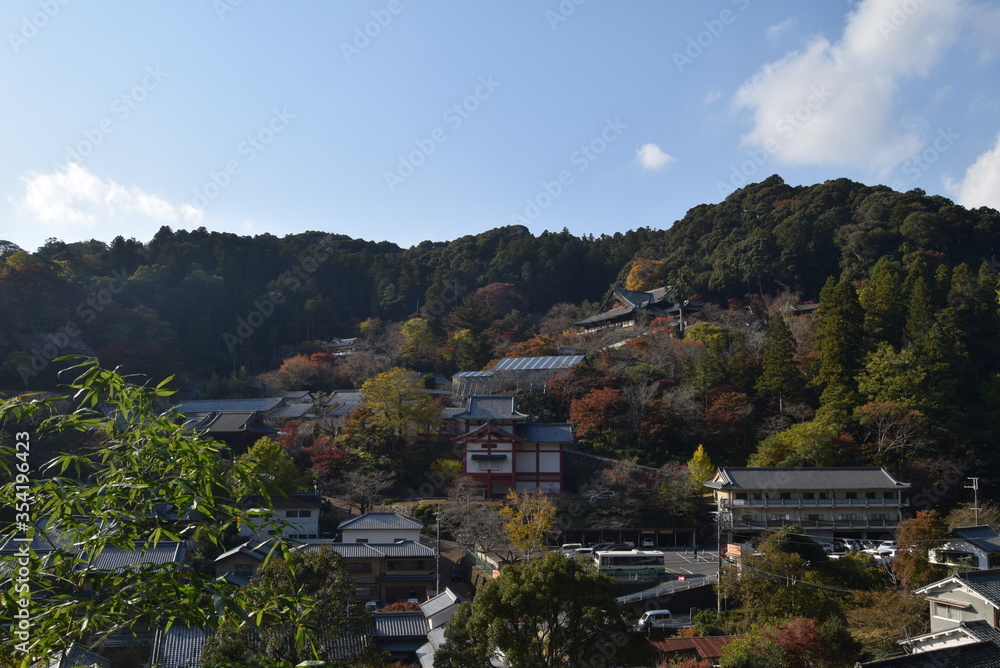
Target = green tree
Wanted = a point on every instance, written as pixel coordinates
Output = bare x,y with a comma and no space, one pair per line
320,629
551,611
419,342
814,443
780,378
396,403
121,468
530,516
838,340
700,468
881,297
268,461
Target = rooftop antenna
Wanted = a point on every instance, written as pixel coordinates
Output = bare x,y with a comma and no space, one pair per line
975,490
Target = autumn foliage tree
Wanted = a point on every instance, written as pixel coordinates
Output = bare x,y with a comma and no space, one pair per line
644,275
594,414
915,537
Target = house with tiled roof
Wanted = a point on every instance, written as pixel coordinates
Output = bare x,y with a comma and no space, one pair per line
825,502
975,547
677,650
513,374
437,611
179,647
506,449
76,656
380,527
294,517
965,625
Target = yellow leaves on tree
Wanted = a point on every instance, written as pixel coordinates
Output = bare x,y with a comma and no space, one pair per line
645,275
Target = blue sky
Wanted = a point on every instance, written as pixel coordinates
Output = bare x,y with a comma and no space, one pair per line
406,120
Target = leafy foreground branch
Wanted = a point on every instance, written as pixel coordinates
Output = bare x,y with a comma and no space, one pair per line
132,478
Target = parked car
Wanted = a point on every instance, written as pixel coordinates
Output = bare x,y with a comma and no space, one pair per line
654,619
604,495
844,545
827,547
569,547
586,551
648,542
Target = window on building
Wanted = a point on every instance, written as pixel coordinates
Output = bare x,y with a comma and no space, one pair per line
490,466
291,513
888,495
785,496
360,540
808,495
305,513
847,516
946,611
851,495
359,566
869,495
814,518
823,495
757,496
879,516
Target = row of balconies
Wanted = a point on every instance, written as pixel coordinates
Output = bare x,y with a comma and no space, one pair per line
811,502
861,523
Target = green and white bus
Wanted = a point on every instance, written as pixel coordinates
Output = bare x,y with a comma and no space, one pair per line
631,562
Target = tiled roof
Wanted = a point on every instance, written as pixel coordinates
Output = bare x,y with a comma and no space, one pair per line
984,652
406,548
78,655
351,550
984,583
708,647
492,408
537,363
180,647
229,422
440,603
400,647
535,432
214,406
400,624
804,478
983,537
290,412
381,521
114,558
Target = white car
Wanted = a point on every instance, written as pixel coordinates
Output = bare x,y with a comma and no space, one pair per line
654,619
604,495
648,542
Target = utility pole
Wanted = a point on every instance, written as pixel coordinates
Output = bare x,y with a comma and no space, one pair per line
437,553
718,554
975,490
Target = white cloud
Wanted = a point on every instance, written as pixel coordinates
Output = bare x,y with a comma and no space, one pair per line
652,157
833,103
776,30
713,96
77,197
981,185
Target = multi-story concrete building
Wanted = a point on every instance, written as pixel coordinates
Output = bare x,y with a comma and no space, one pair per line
824,502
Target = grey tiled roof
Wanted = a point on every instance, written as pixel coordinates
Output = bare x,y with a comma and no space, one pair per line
114,558
78,655
400,624
439,603
805,478
180,647
983,537
381,521
214,406
535,432
537,363
984,583
492,408
351,550
406,548
984,653
228,422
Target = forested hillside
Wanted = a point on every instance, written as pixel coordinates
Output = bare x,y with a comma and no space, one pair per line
900,361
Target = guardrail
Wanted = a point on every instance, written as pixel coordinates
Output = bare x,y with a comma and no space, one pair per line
667,588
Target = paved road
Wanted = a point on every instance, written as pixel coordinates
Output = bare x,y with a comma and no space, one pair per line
683,563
